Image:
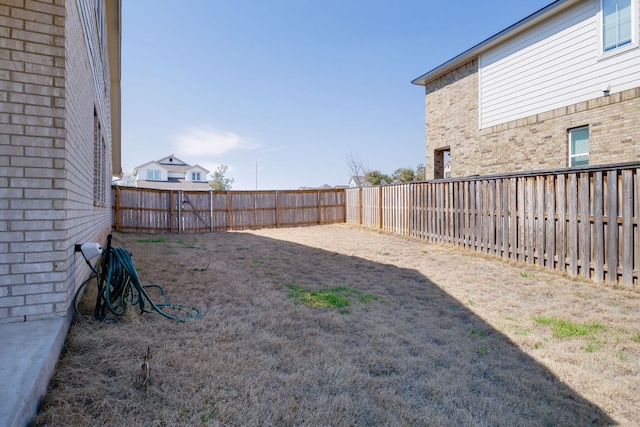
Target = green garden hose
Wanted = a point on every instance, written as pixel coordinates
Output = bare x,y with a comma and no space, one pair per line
119,287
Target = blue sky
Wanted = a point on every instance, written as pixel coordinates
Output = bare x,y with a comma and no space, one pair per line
292,86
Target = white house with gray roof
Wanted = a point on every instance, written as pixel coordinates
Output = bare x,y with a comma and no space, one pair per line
171,173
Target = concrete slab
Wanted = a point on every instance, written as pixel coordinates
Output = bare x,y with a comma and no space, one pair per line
29,352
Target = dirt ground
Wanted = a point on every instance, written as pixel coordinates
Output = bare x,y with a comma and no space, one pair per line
442,337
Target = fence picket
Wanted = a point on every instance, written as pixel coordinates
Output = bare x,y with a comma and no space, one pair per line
572,232
627,228
550,219
473,212
598,228
561,229
540,220
513,218
492,218
504,208
530,220
612,227
584,237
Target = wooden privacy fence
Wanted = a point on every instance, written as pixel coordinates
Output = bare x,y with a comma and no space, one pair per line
177,211
583,221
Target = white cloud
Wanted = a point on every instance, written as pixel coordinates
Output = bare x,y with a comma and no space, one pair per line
208,142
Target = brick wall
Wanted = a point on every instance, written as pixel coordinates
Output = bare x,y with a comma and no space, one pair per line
46,112
451,109
532,143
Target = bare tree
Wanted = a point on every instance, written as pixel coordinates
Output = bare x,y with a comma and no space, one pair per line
356,167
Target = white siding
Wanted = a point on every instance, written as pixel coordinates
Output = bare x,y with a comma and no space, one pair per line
142,172
558,63
203,174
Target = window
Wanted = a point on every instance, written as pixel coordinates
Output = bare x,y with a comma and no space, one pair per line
616,24
195,176
441,158
99,164
579,146
153,175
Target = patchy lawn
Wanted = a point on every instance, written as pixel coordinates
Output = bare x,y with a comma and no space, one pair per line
337,325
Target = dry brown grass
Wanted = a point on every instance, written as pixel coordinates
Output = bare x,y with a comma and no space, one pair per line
451,340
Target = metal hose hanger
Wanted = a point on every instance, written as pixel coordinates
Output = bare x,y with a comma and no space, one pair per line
119,287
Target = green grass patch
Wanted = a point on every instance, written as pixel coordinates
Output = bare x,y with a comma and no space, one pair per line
336,297
152,240
594,346
636,338
527,275
207,417
621,356
565,328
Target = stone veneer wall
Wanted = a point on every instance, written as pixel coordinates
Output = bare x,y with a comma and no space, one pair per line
531,143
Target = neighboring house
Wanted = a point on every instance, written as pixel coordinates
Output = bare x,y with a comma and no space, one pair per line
322,187
171,173
560,88
59,146
357,181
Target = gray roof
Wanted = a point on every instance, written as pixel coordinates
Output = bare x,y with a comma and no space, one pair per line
173,184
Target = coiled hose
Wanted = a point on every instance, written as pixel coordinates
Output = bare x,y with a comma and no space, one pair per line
119,287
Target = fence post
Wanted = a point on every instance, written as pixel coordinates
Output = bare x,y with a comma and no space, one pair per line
170,209
360,204
211,210
179,211
344,205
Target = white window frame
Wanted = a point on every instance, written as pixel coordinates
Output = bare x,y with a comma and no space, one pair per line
634,31
195,176
572,157
153,175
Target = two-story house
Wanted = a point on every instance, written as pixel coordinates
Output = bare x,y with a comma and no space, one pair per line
560,88
171,173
